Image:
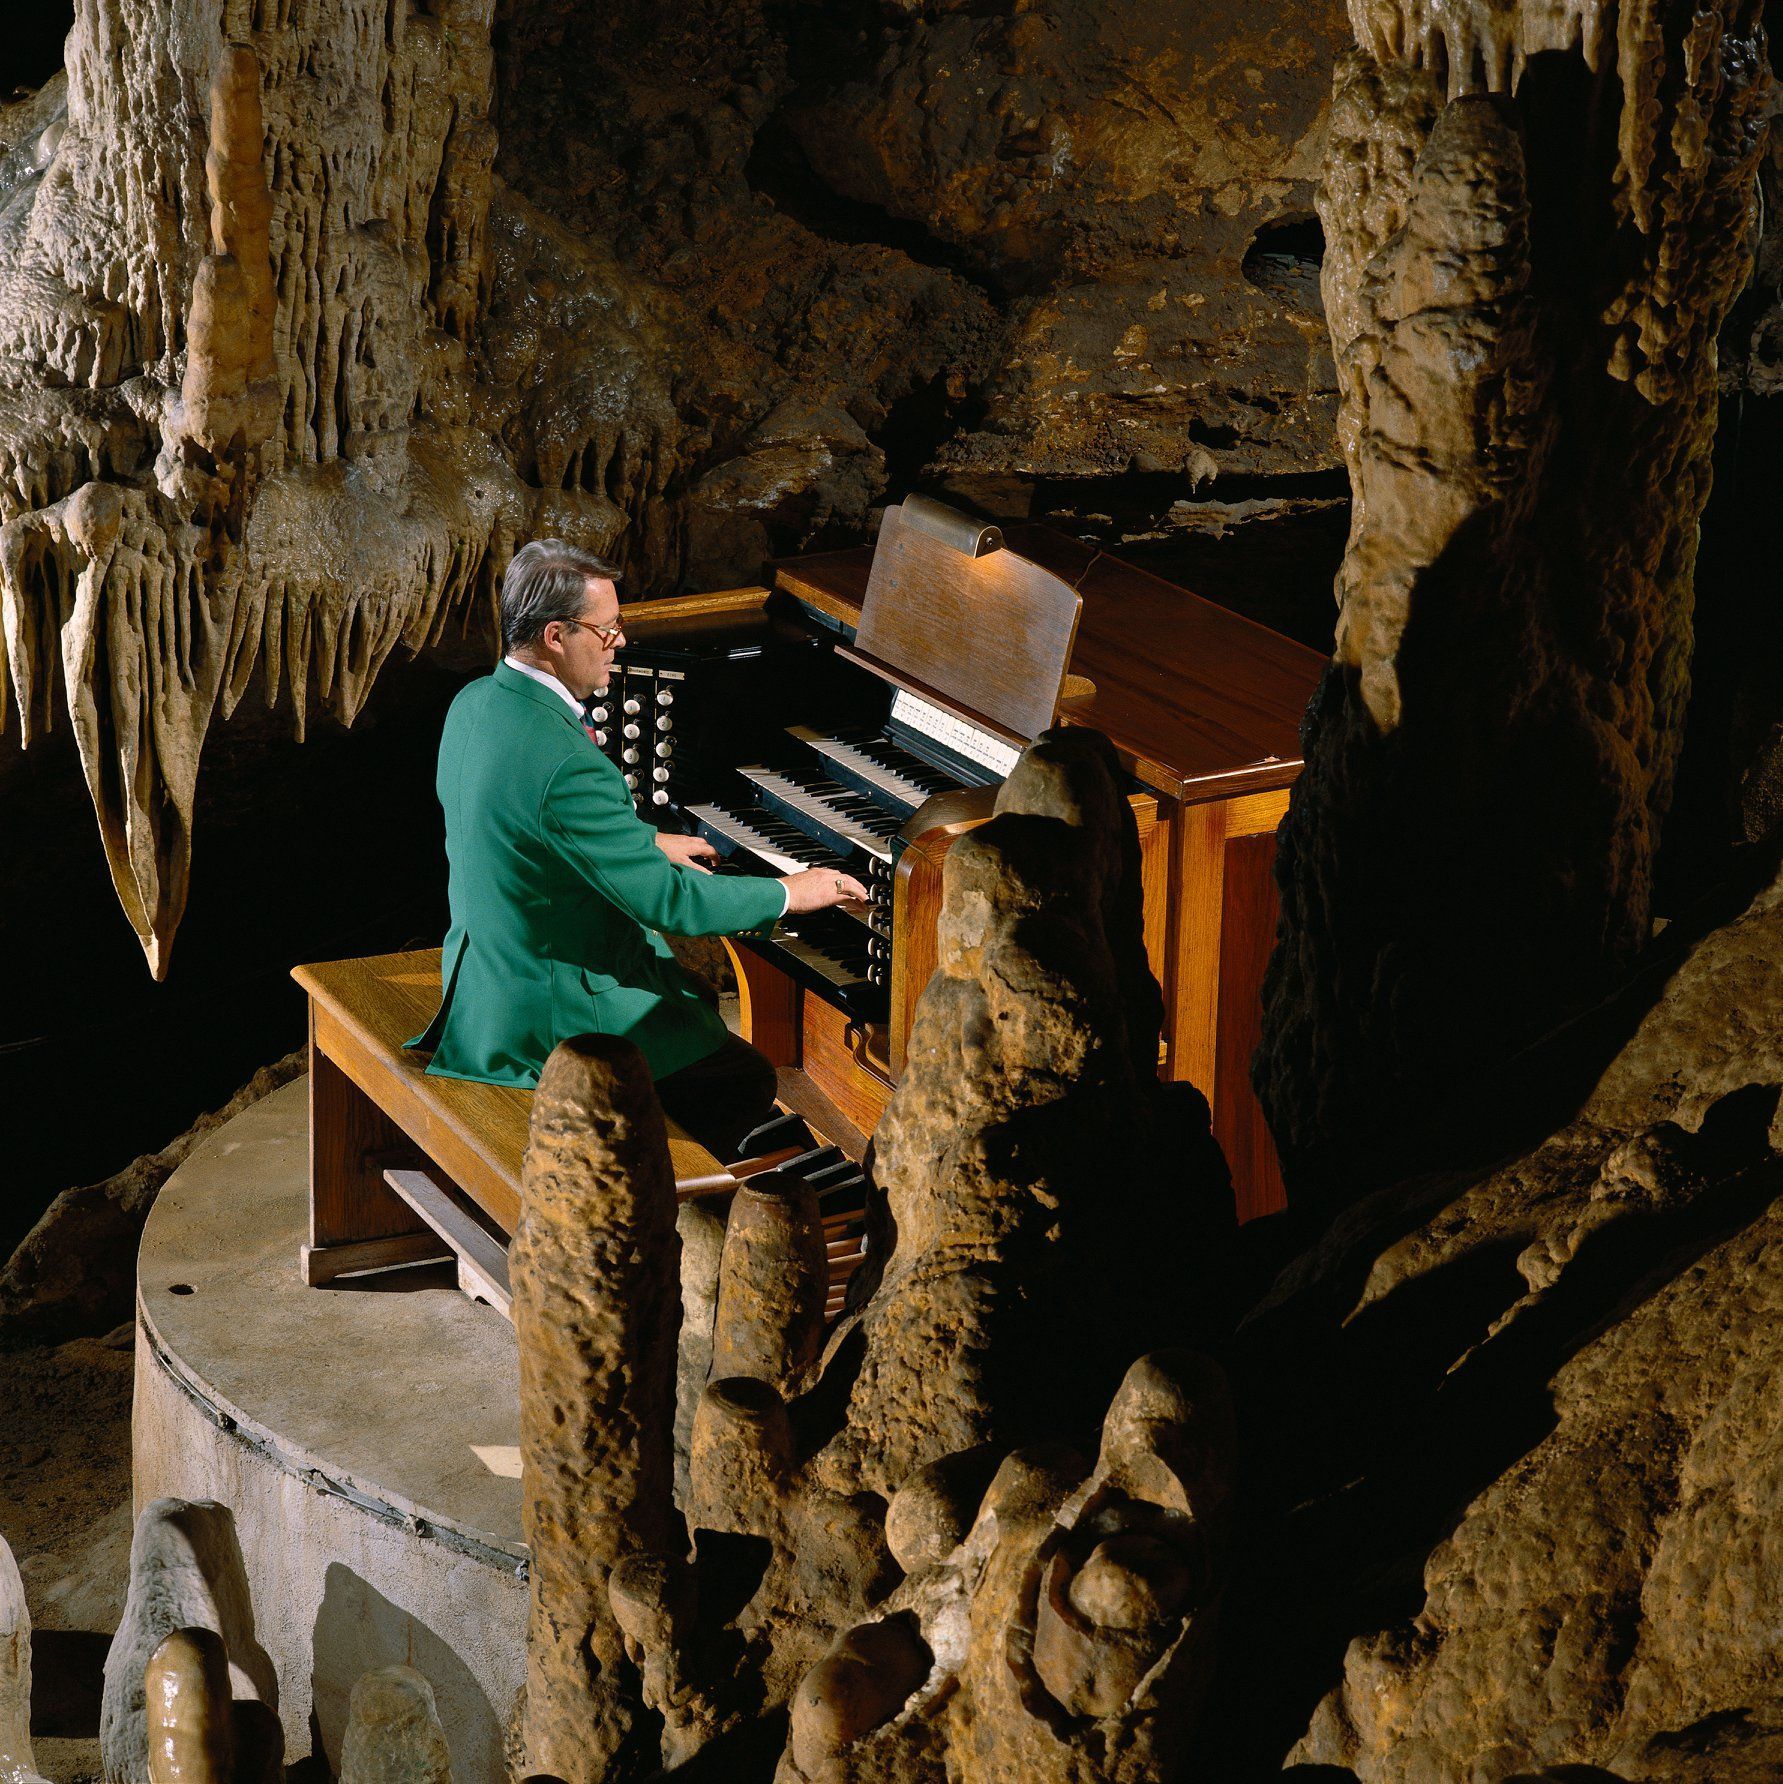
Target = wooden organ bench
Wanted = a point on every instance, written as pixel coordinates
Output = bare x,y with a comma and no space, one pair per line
408,1169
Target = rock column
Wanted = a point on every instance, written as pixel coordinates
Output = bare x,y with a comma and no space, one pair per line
1537,220
595,1267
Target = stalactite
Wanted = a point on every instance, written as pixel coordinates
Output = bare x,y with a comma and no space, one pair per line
241,282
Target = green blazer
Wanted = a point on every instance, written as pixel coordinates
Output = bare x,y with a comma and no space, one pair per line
557,893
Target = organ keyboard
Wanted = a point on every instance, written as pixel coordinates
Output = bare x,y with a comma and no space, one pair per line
861,715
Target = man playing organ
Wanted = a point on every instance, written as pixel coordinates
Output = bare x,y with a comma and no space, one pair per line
560,895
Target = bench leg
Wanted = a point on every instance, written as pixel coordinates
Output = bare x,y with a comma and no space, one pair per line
356,1221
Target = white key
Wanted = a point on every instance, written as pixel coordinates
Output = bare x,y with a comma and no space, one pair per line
849,829
747,836
875,774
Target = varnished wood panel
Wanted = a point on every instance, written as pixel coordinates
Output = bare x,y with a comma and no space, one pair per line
350,1137
768,1005
1256,814
1199,701
1246,938
796,1092
827,1061
926,603
1155,838
1197,890
1203,699
652,617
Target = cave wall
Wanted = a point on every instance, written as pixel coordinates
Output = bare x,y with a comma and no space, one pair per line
701,285
688,287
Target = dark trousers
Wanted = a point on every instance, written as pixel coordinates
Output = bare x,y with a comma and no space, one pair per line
720,1099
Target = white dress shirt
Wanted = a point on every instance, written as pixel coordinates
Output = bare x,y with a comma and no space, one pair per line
546,679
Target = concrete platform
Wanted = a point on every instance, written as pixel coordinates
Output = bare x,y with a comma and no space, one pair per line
365,1435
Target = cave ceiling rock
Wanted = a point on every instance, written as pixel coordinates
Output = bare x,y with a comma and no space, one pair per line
243,254
649,144
1529,260
1106,172
588,373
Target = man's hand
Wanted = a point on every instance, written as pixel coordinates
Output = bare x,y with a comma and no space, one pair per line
817,888
687,851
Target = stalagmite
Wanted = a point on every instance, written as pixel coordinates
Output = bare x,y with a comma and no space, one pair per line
16,1763
188,1710
596,1307
393,1731
1536,220
1009,1152
808,1492
186,1575
769,1316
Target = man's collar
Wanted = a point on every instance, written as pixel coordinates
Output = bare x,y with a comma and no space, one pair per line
545,679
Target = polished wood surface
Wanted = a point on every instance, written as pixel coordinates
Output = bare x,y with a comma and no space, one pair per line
1247,936
1203,701
769,1005
350,1203
684,613
375,1097
1223,927
1203,707
991,636
1199,701
827,1059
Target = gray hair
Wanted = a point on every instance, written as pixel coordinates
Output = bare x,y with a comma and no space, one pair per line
546,580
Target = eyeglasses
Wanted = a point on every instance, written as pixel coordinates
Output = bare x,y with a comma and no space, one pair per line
608,635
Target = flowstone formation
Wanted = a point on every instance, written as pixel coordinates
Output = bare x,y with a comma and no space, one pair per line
1523,1454
858,1545
294,346
1537,221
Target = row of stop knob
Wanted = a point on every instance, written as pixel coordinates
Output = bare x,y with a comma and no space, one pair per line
631,730
665,697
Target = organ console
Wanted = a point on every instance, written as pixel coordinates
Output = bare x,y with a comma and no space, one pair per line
862,712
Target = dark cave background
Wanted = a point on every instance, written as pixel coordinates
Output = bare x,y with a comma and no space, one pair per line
32,51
